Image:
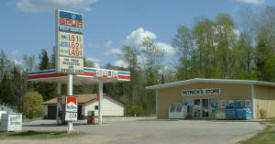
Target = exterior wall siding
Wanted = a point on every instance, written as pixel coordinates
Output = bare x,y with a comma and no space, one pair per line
168,96
109,107
265,100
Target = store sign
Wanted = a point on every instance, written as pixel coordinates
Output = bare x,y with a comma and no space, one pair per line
197,92
11,122
71,108
106,73
69,43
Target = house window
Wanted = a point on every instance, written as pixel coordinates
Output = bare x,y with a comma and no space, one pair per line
96,107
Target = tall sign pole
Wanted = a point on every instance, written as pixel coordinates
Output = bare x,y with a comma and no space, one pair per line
69,55
70,93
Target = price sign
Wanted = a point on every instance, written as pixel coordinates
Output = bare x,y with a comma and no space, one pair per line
71,116
69,48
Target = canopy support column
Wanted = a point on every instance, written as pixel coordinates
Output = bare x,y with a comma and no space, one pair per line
58,104
253,101
100,89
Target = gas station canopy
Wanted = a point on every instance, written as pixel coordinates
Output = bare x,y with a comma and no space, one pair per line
89,76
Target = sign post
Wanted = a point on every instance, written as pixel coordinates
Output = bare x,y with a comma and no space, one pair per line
71,104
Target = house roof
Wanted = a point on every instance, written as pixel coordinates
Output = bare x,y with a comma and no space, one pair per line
201,80
82,98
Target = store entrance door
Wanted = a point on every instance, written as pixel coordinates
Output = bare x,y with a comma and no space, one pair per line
197,109
204,109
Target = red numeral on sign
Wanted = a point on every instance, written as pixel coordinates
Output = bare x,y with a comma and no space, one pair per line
75,48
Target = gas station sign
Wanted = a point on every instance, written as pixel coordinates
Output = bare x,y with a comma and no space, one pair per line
69,43
71,108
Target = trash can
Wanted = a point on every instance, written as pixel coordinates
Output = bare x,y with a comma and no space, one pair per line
243,114
91,117
230,114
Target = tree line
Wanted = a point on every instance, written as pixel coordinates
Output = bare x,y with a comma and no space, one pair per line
211,48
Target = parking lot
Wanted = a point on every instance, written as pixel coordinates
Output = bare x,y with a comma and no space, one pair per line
148,131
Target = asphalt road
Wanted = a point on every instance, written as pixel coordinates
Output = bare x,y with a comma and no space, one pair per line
148,131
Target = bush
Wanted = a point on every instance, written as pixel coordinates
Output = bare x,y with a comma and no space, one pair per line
32,106
263,114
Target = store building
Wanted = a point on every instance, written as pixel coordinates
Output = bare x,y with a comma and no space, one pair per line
208,98
87,102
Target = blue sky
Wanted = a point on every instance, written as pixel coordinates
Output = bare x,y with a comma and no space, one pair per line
27,26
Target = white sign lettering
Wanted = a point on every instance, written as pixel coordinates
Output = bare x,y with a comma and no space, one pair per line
194,92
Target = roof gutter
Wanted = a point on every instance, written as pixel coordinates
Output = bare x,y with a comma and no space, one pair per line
222,81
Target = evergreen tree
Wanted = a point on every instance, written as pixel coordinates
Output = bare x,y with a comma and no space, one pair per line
47,90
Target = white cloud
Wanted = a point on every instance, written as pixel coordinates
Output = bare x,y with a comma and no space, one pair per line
97,65
142,60
16,63
51,5
93,59
121,63
137,37
15,52
237,32
108,43
112,52
252,1
166,48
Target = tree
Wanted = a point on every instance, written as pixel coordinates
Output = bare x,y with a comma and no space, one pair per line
226,39
130,55
3,63
53,61
183,41
5,90
47,90
262,55
153,56
204,33
88,63
29,62
33,104
244,56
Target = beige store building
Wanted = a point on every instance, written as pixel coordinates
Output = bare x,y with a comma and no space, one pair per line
209,97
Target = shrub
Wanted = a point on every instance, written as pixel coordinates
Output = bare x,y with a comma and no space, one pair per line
32,106
263,114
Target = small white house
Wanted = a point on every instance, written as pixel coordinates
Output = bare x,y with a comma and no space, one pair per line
88,102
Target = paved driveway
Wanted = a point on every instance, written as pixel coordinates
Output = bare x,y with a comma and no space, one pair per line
148,131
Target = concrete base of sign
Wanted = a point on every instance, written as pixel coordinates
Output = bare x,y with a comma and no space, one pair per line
70,127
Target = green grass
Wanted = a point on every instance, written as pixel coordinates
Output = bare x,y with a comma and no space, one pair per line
266,136
271,121
38,134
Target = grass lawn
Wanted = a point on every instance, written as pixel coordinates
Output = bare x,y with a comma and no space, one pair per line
267,136
38,134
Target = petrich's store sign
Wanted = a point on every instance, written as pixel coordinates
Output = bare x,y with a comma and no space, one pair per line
196,92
